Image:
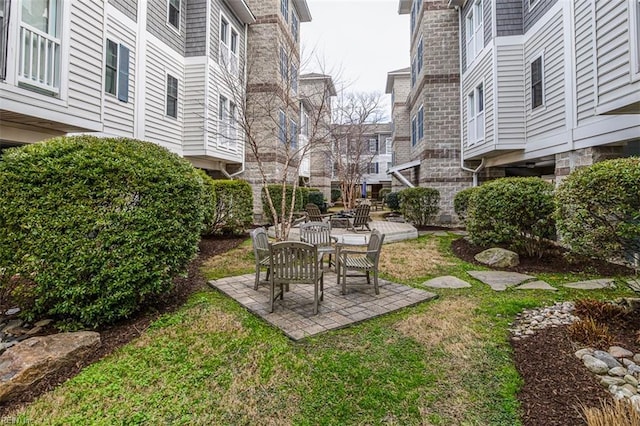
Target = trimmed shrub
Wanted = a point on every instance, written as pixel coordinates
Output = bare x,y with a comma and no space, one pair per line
515,212
302,198
382,194
461,202
419,205
317,198
393,201
335,195
99,225
598,209
210,201
233,213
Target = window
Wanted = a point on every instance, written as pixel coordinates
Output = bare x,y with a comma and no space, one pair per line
282,127
174,14
228,47
388,146
420,122
373,168
537,81
4,15
415,8
284,64
636,41
116,73
294,78
226,123
293,134
413,71
40,44
284,9
413,131
475,115
172,96
295,23
304,123
474,31
373,146
420,52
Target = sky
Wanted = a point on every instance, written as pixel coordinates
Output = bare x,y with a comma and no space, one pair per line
357,42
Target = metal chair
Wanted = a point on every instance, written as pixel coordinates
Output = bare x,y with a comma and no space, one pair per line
319,234
295,262
361,261
261,252
361,217
314,215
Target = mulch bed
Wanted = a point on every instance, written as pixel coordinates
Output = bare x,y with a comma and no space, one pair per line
117,335
556,383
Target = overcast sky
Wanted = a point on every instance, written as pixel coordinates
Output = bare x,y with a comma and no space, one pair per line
359,42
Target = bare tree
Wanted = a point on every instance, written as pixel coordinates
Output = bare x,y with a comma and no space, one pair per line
266,118
355,117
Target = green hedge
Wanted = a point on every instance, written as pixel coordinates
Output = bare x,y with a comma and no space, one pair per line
335,195
515,212
233,213
393,201
98,226
210,201
598,209
419,205
316,197
275,190
382,194
461,202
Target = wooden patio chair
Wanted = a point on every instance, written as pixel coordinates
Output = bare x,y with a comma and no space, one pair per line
295,262
314,215
261,252
363,262
319,234
361,217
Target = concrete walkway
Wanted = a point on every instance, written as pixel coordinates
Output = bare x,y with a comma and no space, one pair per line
294,314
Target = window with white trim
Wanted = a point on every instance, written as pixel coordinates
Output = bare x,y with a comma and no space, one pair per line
474,31
635,42
413,71
40,44
304,123
420,123
537,83
295,25
173,13
373,168
414,133
116,70
420,54
475,115
373,146
282,127
4,15
388,146
284,9
293,134
229,40
172,96
284,64
227,118
294,78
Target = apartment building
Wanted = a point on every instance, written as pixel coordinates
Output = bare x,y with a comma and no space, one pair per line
425,106
548,85
164,71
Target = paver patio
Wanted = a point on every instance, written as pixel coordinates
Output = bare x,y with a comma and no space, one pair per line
294,314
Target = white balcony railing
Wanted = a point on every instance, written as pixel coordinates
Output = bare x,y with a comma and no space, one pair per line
229,60
39,59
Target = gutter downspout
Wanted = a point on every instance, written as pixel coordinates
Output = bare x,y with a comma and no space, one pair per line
246,36
481,166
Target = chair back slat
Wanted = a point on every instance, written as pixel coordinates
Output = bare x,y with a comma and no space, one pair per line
316,233
294,262
260,241
313,211
375,245
361,216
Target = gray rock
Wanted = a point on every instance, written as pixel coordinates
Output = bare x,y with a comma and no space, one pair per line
636,358
498,258
634,283
631,380
16,323
619,352
500,280
12,311
595,365
43,323
447,281
633,390
28,362
627,393
607,358
34,330
592,284
536,285
634,369
627,362
582,352
618,371
607,381
635,401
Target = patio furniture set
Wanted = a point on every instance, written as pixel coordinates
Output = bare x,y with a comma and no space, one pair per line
301,262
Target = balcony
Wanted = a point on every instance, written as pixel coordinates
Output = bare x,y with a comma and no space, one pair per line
39,64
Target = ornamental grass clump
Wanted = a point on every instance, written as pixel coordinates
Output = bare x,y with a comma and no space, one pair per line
512,212
598,210
99,226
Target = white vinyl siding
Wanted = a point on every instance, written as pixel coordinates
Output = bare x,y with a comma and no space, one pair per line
550,117
196,128
584,60
509,94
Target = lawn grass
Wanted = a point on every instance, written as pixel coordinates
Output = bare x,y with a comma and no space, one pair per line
443,362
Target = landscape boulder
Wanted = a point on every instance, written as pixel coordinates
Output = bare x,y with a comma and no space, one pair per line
30,361
498,258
